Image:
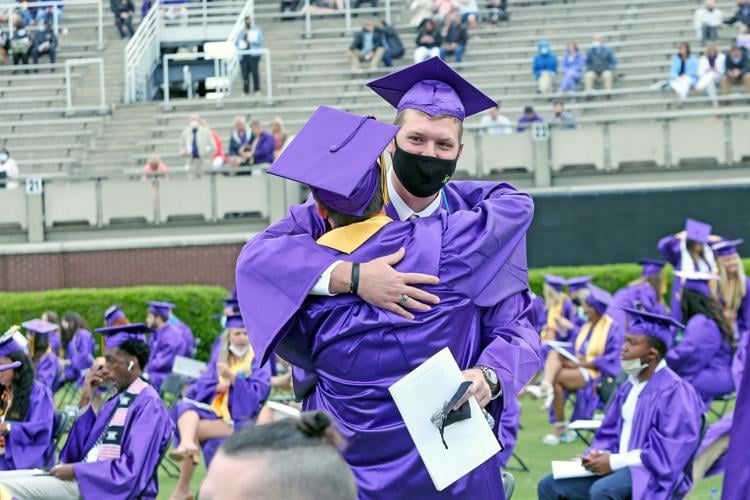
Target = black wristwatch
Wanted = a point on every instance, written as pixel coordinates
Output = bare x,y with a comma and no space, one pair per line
491,377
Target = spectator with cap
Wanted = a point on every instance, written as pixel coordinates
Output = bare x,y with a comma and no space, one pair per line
529,116
494,122
600,63
250,38
239,144
544,67
711,69
428,41
737,70
707,21
196,145
456,39
45,42
8,170
366,47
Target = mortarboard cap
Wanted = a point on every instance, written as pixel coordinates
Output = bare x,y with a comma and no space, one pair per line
116,335
160,308
651,266
578,283
599,299
726,247
10,366
234,321
39,327
432,87
336,154
697,231
653,325
696,280
556,282
9,342
112,314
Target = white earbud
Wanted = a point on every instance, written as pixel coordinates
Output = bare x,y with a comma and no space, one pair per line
130,366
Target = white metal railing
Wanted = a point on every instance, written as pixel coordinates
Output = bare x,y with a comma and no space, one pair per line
70,63
141,56
347,13
13,7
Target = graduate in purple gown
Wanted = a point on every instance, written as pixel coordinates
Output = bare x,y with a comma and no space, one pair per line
687,250
226,398
111,453
649,433
78,344
703,356
114,316
27,411
48,370
166,342
733,285
647,292
509,425
559,316
737,472
578,290
597,348
347,353
188,338
54,338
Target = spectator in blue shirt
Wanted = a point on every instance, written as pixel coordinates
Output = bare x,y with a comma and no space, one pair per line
45,42
250,38
600,63
545,67
455,41
683,72
367,46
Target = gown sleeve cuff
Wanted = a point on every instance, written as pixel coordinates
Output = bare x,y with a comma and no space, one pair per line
321,286
619,461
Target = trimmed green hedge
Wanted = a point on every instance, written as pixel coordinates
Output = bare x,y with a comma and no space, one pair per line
195,306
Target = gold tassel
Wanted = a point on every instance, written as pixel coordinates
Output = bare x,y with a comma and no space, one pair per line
384,178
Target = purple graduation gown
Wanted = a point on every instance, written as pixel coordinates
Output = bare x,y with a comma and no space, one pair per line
666,427
641,293
539,310
509,423
669,248
246,397
352,352
703,358
187,336
737,473
147,430
166,344
80,352
30,444
48,371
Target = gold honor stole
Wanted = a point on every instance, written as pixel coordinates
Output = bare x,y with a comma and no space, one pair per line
597,342
220,404
347,239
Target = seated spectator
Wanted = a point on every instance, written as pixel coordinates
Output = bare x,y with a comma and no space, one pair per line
21,45
8,170
562,119
367,46
280,136
707,20
196,145
650,431
497,10
683,72
741,16
226,398
572,68
428,41
45,42
737,70
239,144
219,158
455,41
600,63
711,68
394,48
528,116
49,11
4,46
469,11
39,334
154,166
124,11
294,459
494,122
544,67
423,9
261,150
106,457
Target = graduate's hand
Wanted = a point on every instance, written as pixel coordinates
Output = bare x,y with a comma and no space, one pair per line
480,389
563,323
223,370
597,462
63,472
222,386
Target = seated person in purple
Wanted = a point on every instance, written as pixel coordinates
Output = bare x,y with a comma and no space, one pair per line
79,348
111,453
578,291
227,397
27,410
263,144
560,314
166,342
529,116
647,292
703,355
44,357
650,431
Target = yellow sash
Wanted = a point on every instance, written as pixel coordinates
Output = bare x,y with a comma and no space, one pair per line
554,312
349,238
220,404
597,342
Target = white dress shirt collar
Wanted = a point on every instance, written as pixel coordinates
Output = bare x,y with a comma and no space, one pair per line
403,210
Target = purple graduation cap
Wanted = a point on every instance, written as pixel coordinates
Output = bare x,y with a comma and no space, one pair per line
39,327
556,282
160,308
231,302
116,335
336,154
10,366
724,248
8,342
599,299
432,87
653,325
113,314
578,283
235,321
696,280
651,266
697,231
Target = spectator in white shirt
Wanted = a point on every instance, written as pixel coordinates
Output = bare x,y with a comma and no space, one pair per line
8,170
495,123
707,20
711,67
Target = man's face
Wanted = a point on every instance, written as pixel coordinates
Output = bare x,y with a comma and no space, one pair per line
257,130
367,26
151,321
557,108
494,112
635,346
116,367
429,137
239,125
230,478
6,377
735,52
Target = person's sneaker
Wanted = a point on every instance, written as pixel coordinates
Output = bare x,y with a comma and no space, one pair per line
548,398
568,437
534,390
551,440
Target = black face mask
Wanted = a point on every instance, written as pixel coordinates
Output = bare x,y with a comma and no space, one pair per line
422,176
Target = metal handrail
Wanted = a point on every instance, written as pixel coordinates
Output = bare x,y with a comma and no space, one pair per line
347,12
141,55
69,109
11,7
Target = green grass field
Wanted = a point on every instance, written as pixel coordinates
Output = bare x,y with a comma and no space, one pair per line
530,448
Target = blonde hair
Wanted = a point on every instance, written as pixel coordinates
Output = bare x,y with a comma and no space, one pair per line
154,159
731,296
224,351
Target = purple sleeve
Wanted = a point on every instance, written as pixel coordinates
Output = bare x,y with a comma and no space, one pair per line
743,313
29,441
264,149
84,355
609,362
739,361
607,437
75,445
248,393
669,248
47,369
169,345
701,340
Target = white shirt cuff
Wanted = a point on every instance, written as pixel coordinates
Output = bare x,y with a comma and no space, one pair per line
619,461
321,286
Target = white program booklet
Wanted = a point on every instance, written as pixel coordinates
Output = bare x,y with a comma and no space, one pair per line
558,347
566,469
585,425
188,367
423,393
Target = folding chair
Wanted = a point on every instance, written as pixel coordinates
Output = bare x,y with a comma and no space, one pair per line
62,423
522,467
171,389
724,401
162,458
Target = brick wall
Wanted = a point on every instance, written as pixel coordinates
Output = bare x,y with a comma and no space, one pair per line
200,264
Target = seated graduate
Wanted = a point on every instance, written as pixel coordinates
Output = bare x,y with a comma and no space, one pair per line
646,293
650,431
114,317
578,290
703,355
27,411
231,307
733,285
190,346
597,347
166,343
78,344
560,312
228,396
48,369
114,452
